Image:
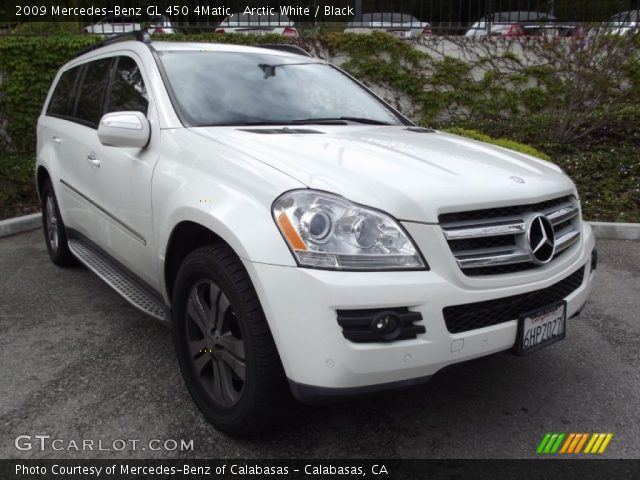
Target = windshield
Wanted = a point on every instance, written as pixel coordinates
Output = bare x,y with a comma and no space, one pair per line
230,88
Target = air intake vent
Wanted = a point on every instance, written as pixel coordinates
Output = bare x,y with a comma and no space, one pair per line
280,131
495,241
420,130
462,318
380,325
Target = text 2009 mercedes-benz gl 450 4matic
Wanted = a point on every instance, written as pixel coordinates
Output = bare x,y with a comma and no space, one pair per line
300,235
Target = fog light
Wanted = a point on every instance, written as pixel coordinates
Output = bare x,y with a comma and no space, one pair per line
386,325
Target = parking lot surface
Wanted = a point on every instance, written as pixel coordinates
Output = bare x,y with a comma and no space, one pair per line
77,363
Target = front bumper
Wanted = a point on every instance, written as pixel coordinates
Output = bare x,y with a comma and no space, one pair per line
300,305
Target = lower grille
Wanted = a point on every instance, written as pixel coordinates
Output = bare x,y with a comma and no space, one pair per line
471,316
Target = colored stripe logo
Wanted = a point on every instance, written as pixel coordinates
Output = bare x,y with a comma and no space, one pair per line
573,443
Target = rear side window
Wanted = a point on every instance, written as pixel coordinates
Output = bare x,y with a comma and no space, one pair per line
61,103
92,92
128,92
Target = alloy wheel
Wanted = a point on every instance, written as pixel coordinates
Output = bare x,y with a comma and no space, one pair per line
215,343
52,223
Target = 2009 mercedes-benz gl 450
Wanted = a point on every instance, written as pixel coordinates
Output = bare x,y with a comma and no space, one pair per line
300,235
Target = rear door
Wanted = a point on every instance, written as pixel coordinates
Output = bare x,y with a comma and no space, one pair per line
53,142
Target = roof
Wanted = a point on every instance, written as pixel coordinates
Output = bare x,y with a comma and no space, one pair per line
124,41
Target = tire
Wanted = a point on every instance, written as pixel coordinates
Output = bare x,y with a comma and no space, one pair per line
225,350
55,234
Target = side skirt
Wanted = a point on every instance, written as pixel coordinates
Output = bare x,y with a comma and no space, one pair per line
118,277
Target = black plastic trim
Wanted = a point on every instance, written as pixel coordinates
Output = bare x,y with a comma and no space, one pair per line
139,35
313,395
357,325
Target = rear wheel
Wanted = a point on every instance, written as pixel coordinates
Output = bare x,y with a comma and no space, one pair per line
224,346
55,235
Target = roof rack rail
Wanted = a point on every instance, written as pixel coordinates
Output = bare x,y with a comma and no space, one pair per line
284,47
139,35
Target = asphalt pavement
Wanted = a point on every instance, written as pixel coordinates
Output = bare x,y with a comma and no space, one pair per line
78,363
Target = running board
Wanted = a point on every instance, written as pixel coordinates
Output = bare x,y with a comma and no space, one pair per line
121,283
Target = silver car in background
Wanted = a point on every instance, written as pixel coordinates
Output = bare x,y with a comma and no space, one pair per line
258,25
401,25
508,24
113,25
624,23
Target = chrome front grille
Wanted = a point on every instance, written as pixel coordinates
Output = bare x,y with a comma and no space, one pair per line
495,241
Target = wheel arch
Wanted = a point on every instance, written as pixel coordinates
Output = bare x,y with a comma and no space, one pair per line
185,237
42,175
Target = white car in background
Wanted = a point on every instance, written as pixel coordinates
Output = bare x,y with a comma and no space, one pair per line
299,234
508,24
247,24
624,23
401,25
121,24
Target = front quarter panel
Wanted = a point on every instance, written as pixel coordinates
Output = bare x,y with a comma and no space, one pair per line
231,194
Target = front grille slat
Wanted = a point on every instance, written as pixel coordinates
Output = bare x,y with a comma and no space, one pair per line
493,241
472,316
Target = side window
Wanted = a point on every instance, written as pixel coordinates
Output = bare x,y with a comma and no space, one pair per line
62,99
127,92
92,91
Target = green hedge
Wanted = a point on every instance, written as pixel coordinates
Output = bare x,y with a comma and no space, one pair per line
27,67
501,142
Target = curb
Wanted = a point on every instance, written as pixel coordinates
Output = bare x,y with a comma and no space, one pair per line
616,231
603,230
11,226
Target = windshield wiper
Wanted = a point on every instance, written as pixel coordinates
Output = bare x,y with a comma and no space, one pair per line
306,121
343,120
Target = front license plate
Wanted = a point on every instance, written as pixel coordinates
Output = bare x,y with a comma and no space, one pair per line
542,327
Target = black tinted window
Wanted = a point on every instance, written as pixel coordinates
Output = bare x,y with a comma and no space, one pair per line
127,90
61,101
89,106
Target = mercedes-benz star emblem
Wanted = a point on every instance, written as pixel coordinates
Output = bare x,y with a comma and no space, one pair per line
541,239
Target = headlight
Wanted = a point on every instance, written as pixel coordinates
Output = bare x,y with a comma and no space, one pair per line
328,231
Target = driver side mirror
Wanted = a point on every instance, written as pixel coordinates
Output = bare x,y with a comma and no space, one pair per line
124,129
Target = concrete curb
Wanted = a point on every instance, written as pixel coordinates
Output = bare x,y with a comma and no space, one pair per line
616,231
11,226
604,230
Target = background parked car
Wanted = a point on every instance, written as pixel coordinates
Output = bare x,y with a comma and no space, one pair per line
512,24
401,25
120,24
624,23
258,25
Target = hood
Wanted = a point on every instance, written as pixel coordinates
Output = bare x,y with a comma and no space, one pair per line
415,175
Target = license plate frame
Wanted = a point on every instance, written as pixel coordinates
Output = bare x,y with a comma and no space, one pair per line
527,321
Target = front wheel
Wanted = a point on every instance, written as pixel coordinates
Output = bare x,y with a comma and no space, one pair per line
55,235
224,346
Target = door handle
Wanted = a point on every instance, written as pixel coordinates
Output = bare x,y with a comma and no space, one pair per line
93,160
57,140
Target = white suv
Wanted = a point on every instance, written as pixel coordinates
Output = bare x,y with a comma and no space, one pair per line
300,235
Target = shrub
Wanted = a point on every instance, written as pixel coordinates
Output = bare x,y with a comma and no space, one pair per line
501,142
